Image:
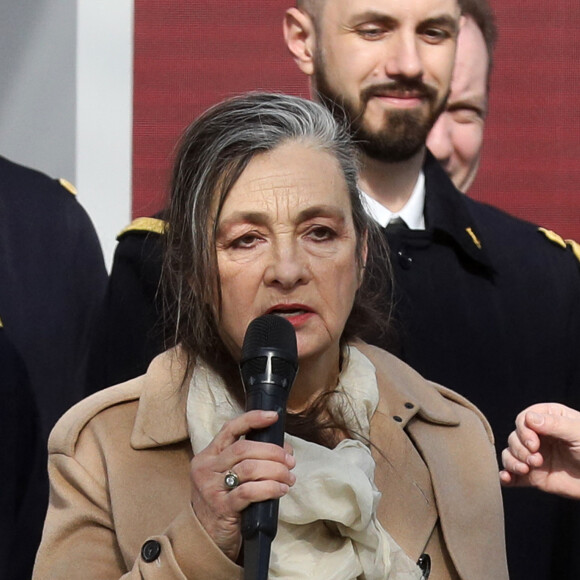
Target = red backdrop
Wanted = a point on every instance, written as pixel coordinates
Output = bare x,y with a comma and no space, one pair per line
191,54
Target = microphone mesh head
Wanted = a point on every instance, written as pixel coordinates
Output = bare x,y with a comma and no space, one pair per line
269,331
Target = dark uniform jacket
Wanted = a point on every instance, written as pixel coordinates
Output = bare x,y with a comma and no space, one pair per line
52,280
485,304
23,457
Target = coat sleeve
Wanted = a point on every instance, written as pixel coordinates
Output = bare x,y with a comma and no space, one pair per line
80,534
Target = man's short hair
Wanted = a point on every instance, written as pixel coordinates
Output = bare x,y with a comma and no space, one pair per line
309,6
482,14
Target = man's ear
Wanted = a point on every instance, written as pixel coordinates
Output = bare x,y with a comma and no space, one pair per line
300,38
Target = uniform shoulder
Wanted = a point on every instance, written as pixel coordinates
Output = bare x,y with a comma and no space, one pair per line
139,252
143,225
513,234
66,432
496,219
23,182
575,247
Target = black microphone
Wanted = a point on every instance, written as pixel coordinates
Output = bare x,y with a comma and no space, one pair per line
268,367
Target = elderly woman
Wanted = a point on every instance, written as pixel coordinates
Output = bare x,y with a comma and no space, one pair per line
381,469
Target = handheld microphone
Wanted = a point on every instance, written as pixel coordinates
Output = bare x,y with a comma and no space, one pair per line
268,367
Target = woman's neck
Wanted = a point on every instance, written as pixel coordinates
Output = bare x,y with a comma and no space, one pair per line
316,375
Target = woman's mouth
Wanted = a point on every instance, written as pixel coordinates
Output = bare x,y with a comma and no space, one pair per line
296,314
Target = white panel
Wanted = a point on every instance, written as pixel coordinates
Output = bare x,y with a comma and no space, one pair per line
104,114
37,91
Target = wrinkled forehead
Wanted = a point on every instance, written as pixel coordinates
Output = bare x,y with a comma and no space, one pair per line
286,180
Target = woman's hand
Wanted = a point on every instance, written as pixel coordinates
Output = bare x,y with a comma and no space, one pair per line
263,470
544,450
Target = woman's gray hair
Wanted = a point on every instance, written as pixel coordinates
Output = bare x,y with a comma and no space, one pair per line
214,151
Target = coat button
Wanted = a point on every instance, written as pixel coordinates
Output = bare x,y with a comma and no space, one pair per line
150,550
424,563
405,261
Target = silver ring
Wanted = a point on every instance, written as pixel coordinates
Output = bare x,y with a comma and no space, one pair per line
231,480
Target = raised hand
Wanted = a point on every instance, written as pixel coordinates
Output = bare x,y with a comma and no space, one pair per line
544,450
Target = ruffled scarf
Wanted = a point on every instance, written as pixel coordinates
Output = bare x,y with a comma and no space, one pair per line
327,526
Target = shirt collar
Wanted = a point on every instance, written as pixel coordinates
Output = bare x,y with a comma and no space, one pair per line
412,213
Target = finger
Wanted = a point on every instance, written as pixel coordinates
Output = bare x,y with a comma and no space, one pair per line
290,459
255,491
556,409
526,433
512,464
508,479
517,447
252,470
243,450
232,430
560,427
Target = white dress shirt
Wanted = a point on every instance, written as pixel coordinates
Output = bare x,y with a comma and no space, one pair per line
413,212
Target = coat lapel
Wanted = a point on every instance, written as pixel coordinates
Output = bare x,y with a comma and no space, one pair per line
401,473
458,465
161,416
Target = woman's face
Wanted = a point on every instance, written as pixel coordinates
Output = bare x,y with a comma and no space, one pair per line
286,244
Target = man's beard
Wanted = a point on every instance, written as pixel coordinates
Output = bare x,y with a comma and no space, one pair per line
402,134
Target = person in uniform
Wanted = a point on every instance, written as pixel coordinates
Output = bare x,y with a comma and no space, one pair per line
53,281
129,330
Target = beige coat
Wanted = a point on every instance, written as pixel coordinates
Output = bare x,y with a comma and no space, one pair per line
119,464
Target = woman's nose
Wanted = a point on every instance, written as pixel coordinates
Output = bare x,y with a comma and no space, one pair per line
288,267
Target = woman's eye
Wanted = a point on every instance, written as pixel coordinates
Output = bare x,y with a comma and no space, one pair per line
321,234
246,241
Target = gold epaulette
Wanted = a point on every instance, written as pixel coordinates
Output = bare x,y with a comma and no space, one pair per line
553,237
68,185
575,248
473,237
144,224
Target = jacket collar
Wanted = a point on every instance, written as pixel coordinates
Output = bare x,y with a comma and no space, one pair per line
161,416
403,391
446,211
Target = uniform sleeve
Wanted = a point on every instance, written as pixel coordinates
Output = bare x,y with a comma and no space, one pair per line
129,331
80,537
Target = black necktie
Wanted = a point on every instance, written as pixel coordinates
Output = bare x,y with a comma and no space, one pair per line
396,225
